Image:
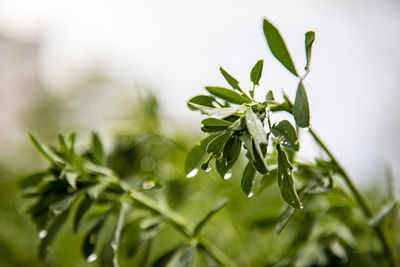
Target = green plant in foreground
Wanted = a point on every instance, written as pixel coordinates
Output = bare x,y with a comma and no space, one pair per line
236,118
116,199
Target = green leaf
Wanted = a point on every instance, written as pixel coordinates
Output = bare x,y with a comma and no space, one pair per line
267,180
187,258
285,180
32,179
232,81
278,47
83,207
256,72
248,178
196,156
270,96
52,232
71,178
255,127
210,259
218,142
222,112
44,151
217,207
284,219
164,259
301,110
232,149
89,243
310,37
202,100
287,133
383,212
215,122
97,149
228,95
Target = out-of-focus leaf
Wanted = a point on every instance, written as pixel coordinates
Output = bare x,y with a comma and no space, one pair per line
321,185
71,178
217,207
383,212
187,257
232,81
83,207
286,131
97,149
164,259
196,156
44,151
310,37
208,256
218,142
301,110
285,180
247,181
89,243
228,95
150,183
284,219
267,180
32,179
278,47
52,232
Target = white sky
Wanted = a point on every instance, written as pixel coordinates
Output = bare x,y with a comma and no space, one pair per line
176,47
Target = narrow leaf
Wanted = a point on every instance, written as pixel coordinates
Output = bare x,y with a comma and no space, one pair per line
202,100
284,219
301,110
382,213
32,179
256,72
310,37
41,149
221,112
232,149
187,258
285,180
228,95
287,133
215,122
247,181
217,207
97,149
232,81
83,207
52,232
278,47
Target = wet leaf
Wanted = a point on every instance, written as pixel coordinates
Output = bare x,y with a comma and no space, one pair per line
197,155
232,81
287,133
248,178
218,142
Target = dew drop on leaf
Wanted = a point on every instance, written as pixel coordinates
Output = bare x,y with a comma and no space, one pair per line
228,175
250,195
91,258
208,169
192,173
42,234
149,184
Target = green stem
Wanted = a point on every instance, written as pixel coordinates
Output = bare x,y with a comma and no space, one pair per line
359,198
185,226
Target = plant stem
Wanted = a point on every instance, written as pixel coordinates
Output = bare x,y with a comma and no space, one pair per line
360,200
185,226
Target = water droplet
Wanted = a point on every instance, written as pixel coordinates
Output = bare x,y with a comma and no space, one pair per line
228,175
251,194
192,173
208,169
149,184
91,258
42,234
301,206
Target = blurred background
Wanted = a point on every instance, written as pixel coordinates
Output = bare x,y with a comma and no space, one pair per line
81,65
